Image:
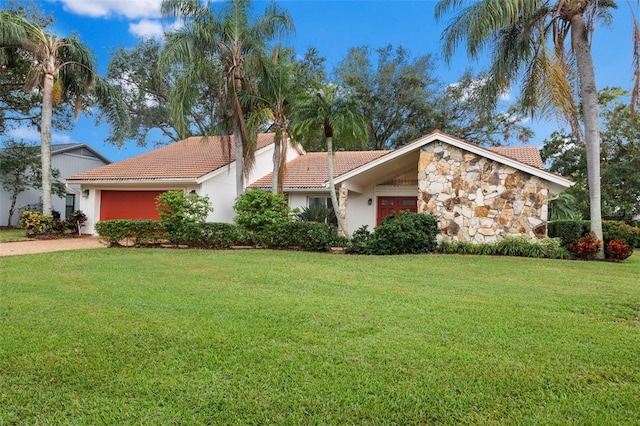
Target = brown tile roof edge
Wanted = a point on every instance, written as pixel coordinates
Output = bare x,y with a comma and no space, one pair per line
525,154
186,159
310,171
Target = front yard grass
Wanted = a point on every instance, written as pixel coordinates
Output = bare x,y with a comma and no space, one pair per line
13,234
151,336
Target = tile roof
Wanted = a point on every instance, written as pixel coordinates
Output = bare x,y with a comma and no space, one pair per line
310,170
525,154
189,158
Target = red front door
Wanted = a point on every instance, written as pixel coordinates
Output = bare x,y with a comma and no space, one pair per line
394,205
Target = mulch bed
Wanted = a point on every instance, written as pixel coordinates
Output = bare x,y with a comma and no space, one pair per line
57,236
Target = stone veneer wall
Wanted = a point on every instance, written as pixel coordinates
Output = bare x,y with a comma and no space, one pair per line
477,199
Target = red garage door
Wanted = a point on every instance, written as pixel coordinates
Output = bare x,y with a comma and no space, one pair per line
128,205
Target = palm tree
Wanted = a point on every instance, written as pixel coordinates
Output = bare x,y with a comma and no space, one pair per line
271,107
66,64
329,112
222,45
528,41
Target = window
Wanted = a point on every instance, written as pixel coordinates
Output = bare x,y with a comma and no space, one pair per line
318,201
323,203
70,205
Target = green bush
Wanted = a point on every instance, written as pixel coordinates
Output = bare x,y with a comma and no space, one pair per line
509,246
76,221
616,230
181,214
257,210
571,231
218,236
139,232
308,236
35,223
407,233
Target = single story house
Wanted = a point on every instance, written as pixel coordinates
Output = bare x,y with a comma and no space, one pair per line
478,194
70,159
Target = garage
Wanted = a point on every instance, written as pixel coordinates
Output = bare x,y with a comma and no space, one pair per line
128,205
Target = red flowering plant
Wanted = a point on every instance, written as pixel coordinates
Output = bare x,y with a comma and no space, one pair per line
617,250
586,247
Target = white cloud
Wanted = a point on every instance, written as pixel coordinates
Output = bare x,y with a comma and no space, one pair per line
132,9
25,133
33,135
147,29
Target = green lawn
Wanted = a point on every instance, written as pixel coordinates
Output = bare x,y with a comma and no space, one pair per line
12,235
152,336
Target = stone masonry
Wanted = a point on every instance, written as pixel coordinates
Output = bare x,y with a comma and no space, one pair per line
477,199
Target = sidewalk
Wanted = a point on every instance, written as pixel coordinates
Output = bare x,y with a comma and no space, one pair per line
15,248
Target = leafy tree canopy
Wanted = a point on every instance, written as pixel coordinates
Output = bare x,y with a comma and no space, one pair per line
620,159
145,90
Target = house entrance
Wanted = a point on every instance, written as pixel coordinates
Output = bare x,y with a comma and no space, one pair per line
394,205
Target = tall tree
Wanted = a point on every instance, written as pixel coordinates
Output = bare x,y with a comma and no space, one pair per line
19,108
20,170
271,107
620,159
398,93
462,113
529,43
66,64
145,90
221,44
329,113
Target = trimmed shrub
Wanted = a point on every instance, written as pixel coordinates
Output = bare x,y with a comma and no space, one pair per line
407,233
139,232
256,210
181,214
616,230
360,241
218,236
308,236
569,231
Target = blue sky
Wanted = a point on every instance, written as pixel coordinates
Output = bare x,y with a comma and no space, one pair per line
331,26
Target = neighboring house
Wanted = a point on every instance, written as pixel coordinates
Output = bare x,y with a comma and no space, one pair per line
478,194
69,159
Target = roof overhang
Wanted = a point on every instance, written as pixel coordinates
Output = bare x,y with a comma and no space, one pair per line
556,180
100,182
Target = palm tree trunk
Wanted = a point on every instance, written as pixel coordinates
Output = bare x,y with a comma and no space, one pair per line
237,139
342,226
276,163
589,98
45,143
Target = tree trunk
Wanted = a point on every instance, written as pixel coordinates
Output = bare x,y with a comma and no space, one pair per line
589,97
276,164
12,209
237,139
342,227
45,143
